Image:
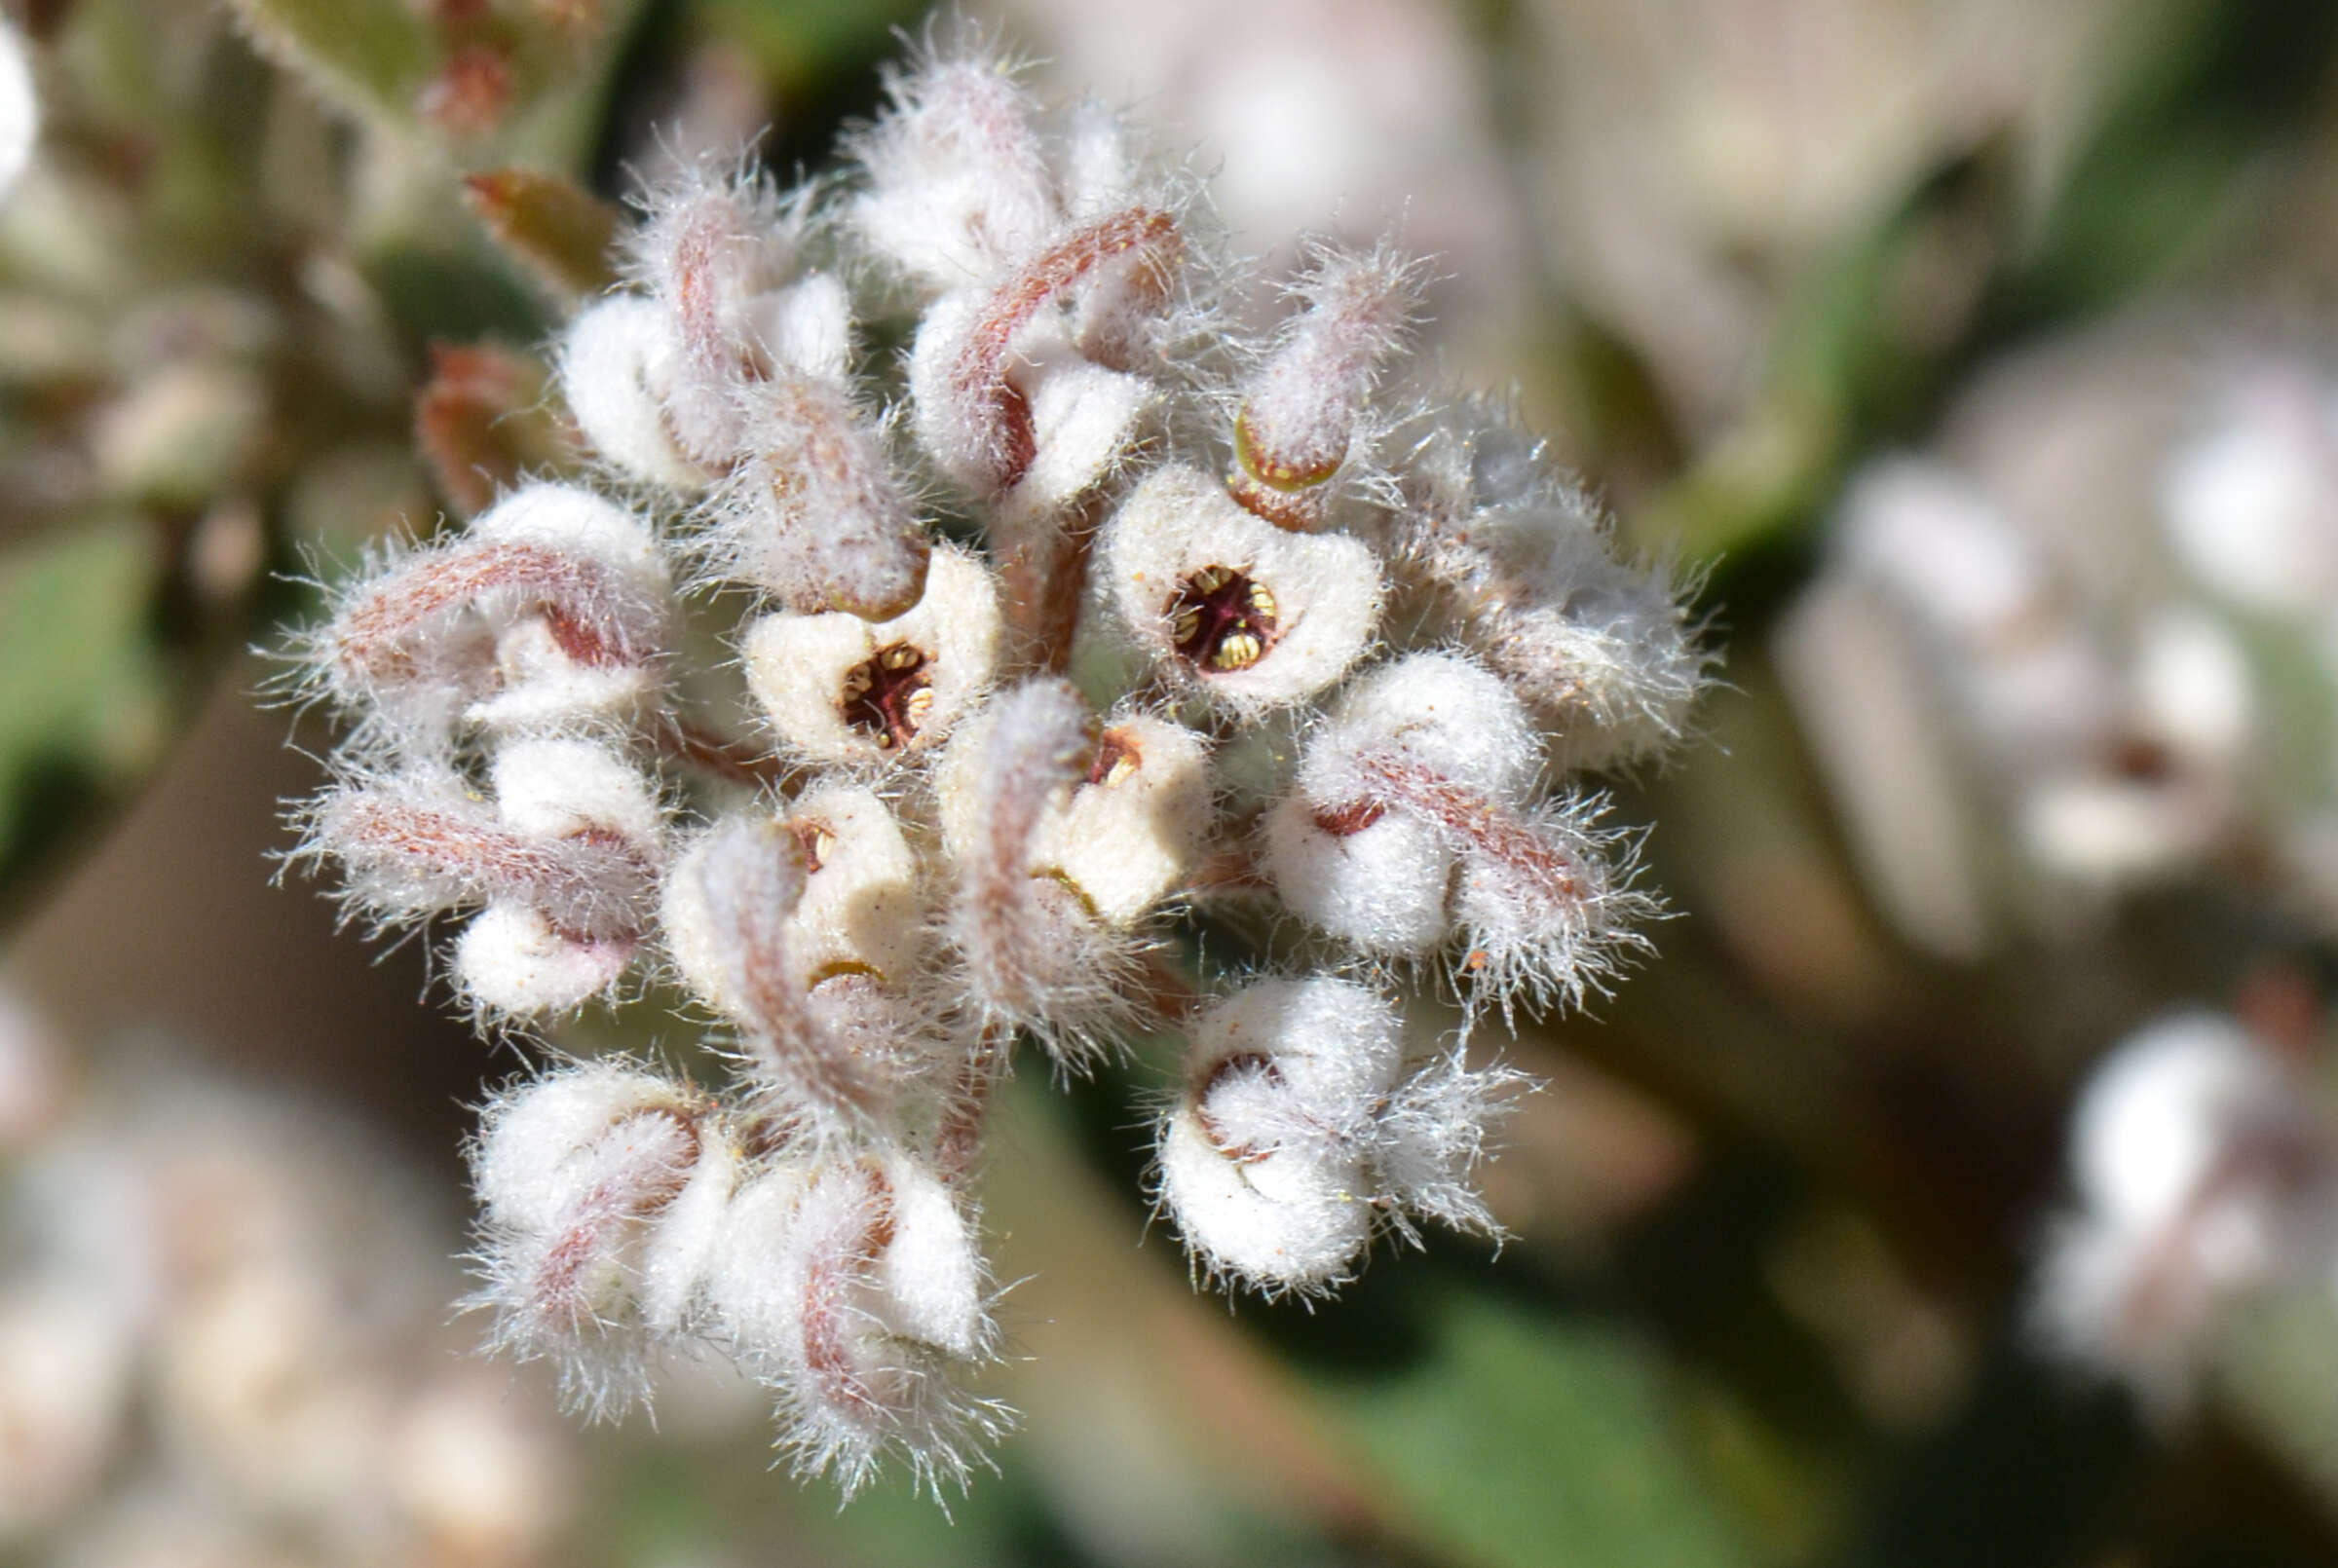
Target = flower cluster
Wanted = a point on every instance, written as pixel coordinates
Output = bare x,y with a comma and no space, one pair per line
1091,618
2206,1168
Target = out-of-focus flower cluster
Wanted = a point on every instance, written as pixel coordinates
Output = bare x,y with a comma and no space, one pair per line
1090,616
2034,692
2205,1161
221,1340
2082,655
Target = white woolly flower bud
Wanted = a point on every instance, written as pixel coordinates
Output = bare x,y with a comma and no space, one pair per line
514,958
713,251
568,787
839,688
511,960
1524,565
1300,1133
851,1287
2204,1170
1421,774
554,605
983,356
1264,1161
531,1131
1304,410
564,863
958,178
1123,837
1379,878
617,368
813,513
1259,617
576,1172
1295,1221
1010,410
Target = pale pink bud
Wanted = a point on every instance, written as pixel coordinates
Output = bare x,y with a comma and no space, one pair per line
839,688
974,377
813,513
553,606
854,1286
1988,610
1256,616
1265,1163
412,847
1446,750
710,251
573,1173
565,862
957,183
1300,1133
1306,408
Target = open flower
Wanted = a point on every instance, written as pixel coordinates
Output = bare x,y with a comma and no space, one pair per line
1256,616
839,688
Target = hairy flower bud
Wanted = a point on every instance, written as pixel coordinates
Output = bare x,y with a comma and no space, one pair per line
1409,824
553,606
983,358
1299,1135
616,370
813,513
958,181
712,252
577,1171
564,863
1524,567
854,1286
1301,414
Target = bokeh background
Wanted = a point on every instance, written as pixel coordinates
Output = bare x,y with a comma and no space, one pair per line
1869,311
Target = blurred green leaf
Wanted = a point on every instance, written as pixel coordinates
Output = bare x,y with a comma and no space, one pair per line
84,682
370,57
1527,1440
559,233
